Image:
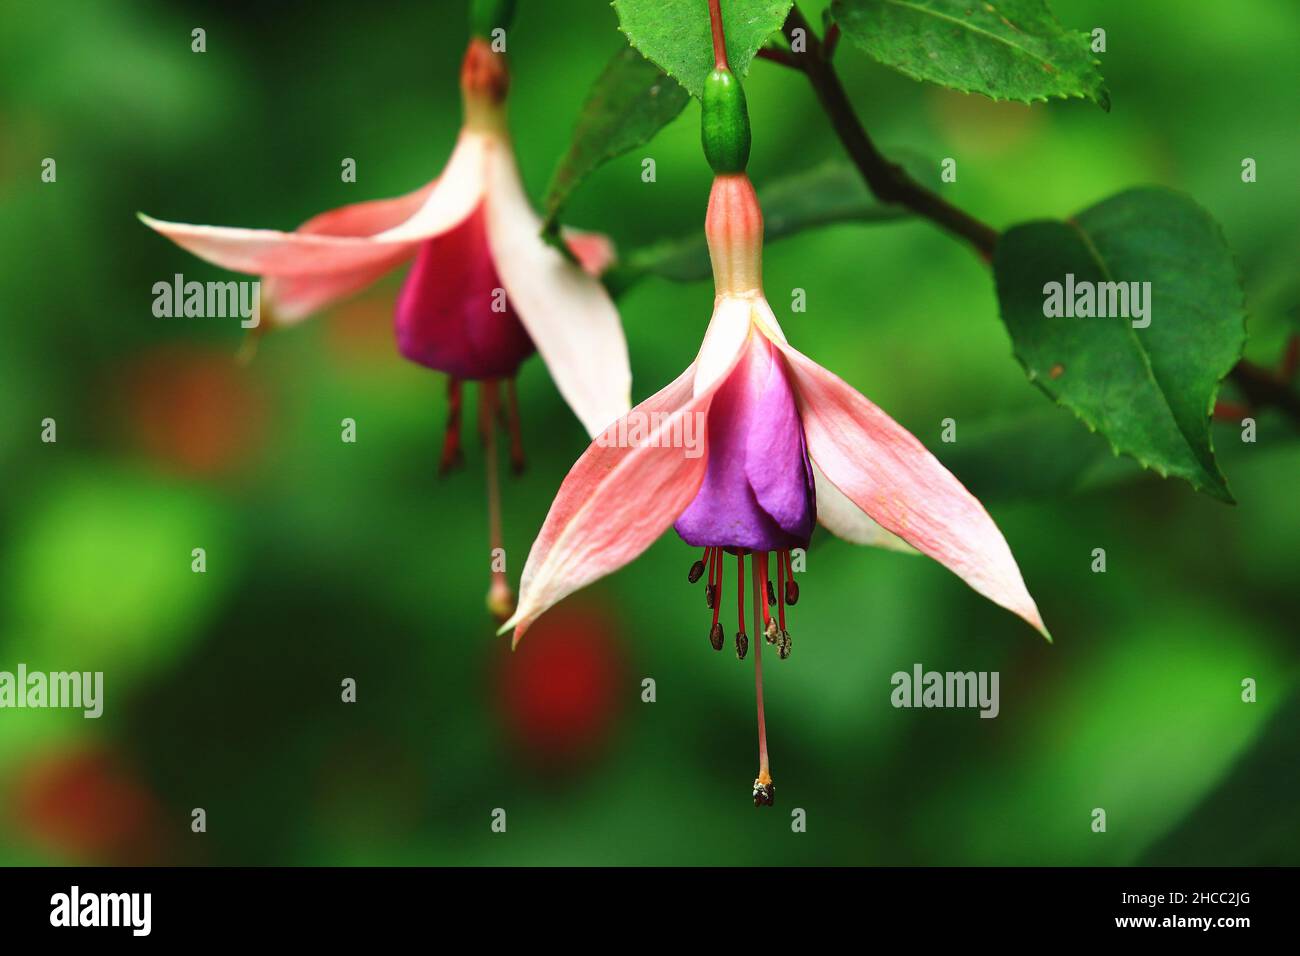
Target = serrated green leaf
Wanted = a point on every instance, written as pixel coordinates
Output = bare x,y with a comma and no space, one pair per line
1149,390
1008,50
825,195
676,35
630,102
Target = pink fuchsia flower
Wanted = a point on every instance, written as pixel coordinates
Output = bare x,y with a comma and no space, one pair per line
485,290
785,443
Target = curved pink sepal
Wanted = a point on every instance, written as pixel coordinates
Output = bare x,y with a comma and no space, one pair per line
850,523
567,312
594,251
296,297
270,252
884,470
619,497
343,250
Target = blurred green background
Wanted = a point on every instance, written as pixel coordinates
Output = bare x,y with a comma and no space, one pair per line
329,560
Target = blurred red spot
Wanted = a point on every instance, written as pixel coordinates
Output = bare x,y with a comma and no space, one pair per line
86,805
562,689
193,410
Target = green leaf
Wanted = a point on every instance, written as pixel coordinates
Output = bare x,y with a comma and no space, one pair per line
1149,390
676,35
631,101
1011,50
825,195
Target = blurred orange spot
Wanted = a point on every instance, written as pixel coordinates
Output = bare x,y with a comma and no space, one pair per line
193,410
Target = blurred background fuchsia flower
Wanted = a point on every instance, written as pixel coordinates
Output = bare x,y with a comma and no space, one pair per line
560,697
485,291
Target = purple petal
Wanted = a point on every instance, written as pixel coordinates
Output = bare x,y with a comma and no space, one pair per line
758,490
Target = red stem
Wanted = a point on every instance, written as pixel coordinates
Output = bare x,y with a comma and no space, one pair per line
784,57
719,40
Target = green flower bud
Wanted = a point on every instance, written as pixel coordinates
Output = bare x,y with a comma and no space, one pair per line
487,15
724,123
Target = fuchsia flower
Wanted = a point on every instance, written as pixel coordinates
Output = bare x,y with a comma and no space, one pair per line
787,443
485,289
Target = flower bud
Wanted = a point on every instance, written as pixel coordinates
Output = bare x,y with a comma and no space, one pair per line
724,123
484,82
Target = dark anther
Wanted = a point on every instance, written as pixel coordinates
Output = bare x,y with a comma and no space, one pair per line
716,637
696,572
771,631
764,794
710,595
791,593
771,595
783,645
742,646
452,458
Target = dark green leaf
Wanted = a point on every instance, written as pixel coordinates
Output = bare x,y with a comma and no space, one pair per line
675,34
1014,50
1149,390
822,196
631,101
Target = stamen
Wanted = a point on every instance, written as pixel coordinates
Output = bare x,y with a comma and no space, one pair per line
771,595
742,639
697,569
791,589
715,579
716,635
764,791
500,599
780,588
783,637
451,454
760,574
517,462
